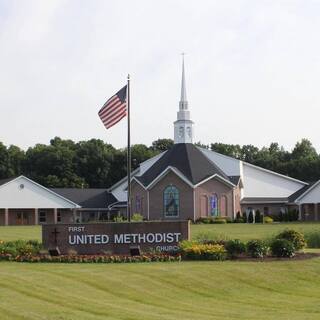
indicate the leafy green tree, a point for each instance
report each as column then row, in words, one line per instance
column 161, row 145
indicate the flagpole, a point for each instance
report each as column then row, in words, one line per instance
column 128, row 154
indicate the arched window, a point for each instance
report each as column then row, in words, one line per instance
column 214, row 205
column 171, row 201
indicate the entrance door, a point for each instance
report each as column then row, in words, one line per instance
column 22, row 218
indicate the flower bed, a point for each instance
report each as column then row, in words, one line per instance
column 92, row 258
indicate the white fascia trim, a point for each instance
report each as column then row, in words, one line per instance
column 42, row 187
column 117, row 184
column 275, row 173
column 136, row 180
column 135, row 172
column 165, row 172
column 307, row 191
column 218, row 177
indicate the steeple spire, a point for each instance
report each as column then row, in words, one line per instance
column 183, row 100
column 183, row 131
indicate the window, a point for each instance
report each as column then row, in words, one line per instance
column 214, row 205
column 171, row 201
column 138, row 204
column 42, row 217
column 58, row 216
column 265, row 211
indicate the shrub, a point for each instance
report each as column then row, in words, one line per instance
column 235, row 247
column 20, row 247
column 228, row 219
column 313, row 239
column 238, row 215
column 137, row 217
column 198, row 251
column 119, row 219
column 239, row 220
column 282, row 248
column 257, row 248
column 205, row 220
column 219, row 220
column 267, row 219
column 293, row 215
column 244, row 217
column 250, row 217
column 259, row 217
column 295, row 237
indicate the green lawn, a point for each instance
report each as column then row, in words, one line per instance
column 187, row 290
column 244, row 231
column 231, row 230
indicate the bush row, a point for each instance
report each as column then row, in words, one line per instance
column 285, row 244
column 92, row 258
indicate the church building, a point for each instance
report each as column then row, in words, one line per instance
column 190, row 182
column 185, row 182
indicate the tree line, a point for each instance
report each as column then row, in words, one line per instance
column 96, row 164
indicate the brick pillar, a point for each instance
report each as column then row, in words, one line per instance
column 315, row 212
column 6, row 217
column 36, row 216
column 55, row 215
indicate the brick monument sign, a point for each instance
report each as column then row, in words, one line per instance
column 115, row 238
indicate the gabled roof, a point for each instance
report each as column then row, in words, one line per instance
column 188, row 160
column 87, row 198
column 303, row 191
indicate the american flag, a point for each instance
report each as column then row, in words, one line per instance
column 114, row 109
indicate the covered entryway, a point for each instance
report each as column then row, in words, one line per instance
column 25, row 202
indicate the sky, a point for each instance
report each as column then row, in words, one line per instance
column 252, row 69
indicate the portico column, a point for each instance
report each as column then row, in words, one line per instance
column 300, row 212
column 6, row 216
column 36, row 216
column 55, row 215
column 74, row 213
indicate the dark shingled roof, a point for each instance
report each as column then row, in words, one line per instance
column 87, row 198
column 234, row 179
column 188, row 159
column 298, row 193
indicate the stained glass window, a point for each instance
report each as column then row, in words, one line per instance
column 171, row 201
column 214, row 205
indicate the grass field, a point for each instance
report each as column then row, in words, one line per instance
column 186, row 290
column 231, row 230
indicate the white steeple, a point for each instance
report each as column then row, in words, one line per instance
column 183, row 131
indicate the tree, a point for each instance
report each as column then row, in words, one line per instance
column 304, row 149
column 92, row 162
column 161, row 145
